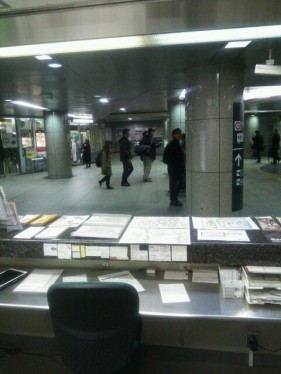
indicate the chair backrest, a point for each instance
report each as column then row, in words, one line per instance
column 96, row 325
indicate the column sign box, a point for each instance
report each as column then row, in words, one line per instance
column 237, row 157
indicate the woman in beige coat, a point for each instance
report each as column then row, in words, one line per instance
column 106, row 165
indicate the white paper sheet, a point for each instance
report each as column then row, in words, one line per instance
column 29, row 232
column 64, row 251
column 138, row 254
column 50, row 249
column 179, row 253
column 118, row 253
column 218, row 235
column 51, row 232
column 69, row 221
column 122, row 277
column 173, row 293
column 159, row 253
column 101, row 251
column 39, row 280
column 91, row 231
column 109, row 219
column 224, row 223
column 175, row 274
column 155, row 236
column 75, row 278
column 160, row 222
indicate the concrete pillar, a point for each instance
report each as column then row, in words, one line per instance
column 209, row 137
column 176, row 111
column 58, row 145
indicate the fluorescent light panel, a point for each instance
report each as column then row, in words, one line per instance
column 189, row 37
column 268, row 69
column 262, row 92
column 28, row 105
column 240, row 44
column 43, row 57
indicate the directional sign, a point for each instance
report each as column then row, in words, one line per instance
column 237, row 157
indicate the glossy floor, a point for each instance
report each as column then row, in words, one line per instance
column 81, row 194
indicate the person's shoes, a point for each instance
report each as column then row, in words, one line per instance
column 147, row 180
column 125, row 184
column 110, row 188
column 175, row 203
column 100, row 183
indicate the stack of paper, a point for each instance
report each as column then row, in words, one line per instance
column 39, row 280
column 205, row 276
column 262, row 284
column 44, row 219
column 107, row 226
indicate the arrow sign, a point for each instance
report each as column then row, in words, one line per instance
column 238, row 159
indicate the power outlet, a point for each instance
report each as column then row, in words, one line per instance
column 252, row 341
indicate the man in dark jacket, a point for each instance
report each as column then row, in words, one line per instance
column 175, row 162
column 148, row 159
column 258, row 146
column 125, row 157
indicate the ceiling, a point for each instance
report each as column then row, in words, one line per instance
column 143, row 80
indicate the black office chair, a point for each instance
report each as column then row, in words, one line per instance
column 97, row 325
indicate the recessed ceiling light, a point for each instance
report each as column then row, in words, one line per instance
column 130, row 118
column 43, row 57
column 123, row 109
column 55, row 66
column 97, row 96
column 8, row 100
column 239, row 44
column 104, row 100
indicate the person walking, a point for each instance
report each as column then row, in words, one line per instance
column 148, row 159
column 275, row 145
column 125, row 157
column 174, row 158
column 86, row 153
column 106, row 165
column 258, row 146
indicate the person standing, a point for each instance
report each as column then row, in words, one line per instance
column 175, row 160
column 258, row 146
column 125, row 157
column 86, row 153
column 275, row 145
column 106, row 165
column 148, row 159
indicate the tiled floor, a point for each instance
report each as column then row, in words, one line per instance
column 81, row 194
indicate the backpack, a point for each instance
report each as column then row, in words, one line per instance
column 142, row 150
column 166, row 154
column 98, row 160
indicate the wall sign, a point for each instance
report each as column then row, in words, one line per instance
column 237, row 157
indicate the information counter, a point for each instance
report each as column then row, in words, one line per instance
column 207, row 321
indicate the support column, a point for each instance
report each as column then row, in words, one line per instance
column 209, row 138
column 58, row 145
column 176, row 111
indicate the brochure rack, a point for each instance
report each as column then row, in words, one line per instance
column 262, row 284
